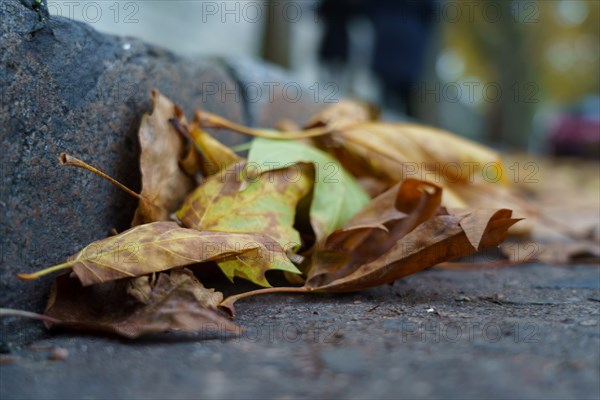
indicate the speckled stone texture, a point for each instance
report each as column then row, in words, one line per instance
column 66, row 87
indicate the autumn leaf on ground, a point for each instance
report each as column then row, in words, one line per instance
column 266, row 206
column 337, row 196
column 399, row 151
column 164, row 184
column 375, row 230
column 393, row 152
column 176, row 302
column 161, row 246
column 409, row 234
column 389, row 152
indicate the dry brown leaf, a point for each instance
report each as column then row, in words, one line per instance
column 164, row 183
column 374, row 230
column 161, row 246
column 177, row 302
column 410, row 233
column 387, row 153
column 441, row 238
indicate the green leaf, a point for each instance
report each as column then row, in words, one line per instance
column 337, row 196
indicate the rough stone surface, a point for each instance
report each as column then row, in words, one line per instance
column 526, row 332
column 68, row 88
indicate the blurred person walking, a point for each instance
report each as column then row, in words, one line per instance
column 402, row 31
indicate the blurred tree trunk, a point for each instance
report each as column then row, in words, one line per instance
column 505, row 44
column 277, row 40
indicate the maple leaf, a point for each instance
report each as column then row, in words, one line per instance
column 161, row 246
column 410, row 232
column 176, row 302
column 441, row 238
column 267, row 207
column 267, row 204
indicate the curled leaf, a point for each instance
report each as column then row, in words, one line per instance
column 393, row 152
column 217, row 156
column 441, row 238
column 164, row 183
column 402, row 231
column 375, row 230
column 177, row 302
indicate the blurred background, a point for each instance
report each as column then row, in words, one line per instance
column 520, row 75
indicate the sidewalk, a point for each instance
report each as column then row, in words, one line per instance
column 528, row 331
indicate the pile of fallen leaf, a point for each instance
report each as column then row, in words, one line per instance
column 333, row 206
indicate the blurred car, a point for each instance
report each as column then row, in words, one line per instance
column 576, row 132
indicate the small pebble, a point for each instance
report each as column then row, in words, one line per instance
column 59, row 354
column 462, row 298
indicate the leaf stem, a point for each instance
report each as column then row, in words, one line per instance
column 35, row 275
column 66, row 159
column 209, row 120
column 10, row 312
